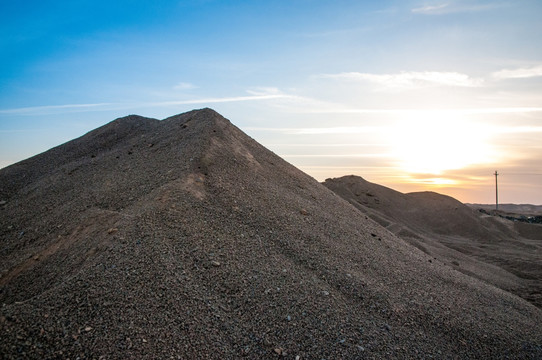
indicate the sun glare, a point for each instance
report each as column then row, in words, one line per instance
column 431, row 142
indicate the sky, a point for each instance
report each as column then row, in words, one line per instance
column 414, row 95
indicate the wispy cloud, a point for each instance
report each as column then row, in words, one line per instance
column 410, row 79
column 520, row 73
column 68, row 107
column 424, row 112
column 517, row 129
column 321, row 130
column 383, row 155
column 454, row 7
column 184, row 86
column 33, row 110
column 218, row 100
column 430, row 9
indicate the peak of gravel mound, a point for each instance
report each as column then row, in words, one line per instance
column 185, row 238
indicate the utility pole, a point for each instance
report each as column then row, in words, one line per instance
column 496, row 192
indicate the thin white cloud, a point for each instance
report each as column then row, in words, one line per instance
column 466, row 111
column 455, row 7
column 262, row 90
column 321, row 130
column 410, row 79
column 69, row 107
column 430, row 9
column 520, row 73
column 218, row 100
column 307, row 156
column 338, row 130
column 34, row 110
column 184, row 86
column 517, row 129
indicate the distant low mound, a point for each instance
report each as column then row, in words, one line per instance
column 185, row 238
column 496, row 249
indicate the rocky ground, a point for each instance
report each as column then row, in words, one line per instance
column 184, row 238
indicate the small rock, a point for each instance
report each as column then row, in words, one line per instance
column 144, row 340
column 215, row 263
column 3, row 202
column 112, row 230
column 326, row 293
column 289, row 318
column 279, row 351
column 88, row 328
column 303, row 212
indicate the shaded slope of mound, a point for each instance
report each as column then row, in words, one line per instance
column 492, row 249
column 424, row 212
column 191, row 240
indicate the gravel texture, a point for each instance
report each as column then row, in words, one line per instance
column 184, row 238
column 503, row 253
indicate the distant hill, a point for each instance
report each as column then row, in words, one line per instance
column 185, row 238
column 492, row 248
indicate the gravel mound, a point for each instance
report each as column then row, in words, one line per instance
column 184, row 238
column 501, row 252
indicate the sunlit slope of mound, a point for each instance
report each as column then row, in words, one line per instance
column 186, row 238
column 490, row 248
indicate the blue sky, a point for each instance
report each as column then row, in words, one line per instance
column 416, row 95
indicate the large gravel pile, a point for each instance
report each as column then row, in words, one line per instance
column 184, row 238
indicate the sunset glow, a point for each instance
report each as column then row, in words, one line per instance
column 434, row 141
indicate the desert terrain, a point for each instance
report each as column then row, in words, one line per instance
column 184, row 238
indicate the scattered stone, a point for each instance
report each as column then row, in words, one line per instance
column 3, row 202
column 279, row 351
column 303, row 212
column 88, row 328
column 215, row 263
column 112, row 230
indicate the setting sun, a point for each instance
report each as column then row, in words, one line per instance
column 430, row 142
